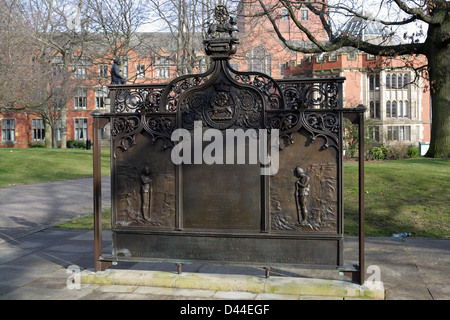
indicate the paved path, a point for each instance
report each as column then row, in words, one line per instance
column 25, row 209
column 33, row 265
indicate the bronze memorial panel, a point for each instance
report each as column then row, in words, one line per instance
column 180, row 195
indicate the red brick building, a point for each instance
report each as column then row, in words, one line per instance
column 398, row 106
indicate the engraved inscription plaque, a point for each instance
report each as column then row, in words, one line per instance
column 221, row 196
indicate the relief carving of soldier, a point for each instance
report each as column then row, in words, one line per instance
column 302, row 191
column 146, row 193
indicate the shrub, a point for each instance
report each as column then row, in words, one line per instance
column 413, row 152
column 36, row 145
column 74, row 144
column 379, row 153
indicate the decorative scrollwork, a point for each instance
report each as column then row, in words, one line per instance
column 311, row 95
column 286, row 123
column 178, row 87
column 160, row 128
column 263, row 83
column 124, row 131
column 137, row 100
column 326, row 125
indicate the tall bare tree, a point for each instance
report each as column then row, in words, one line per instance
column 60, row 29
column 185, row 20
column 116, row 24
column 432, row 41
column 20, row 66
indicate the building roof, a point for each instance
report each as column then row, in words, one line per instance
column 369, row 30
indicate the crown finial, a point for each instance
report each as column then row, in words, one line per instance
column 224, row 24
column 219, row 42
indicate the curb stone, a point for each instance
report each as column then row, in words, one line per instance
column 237, row 283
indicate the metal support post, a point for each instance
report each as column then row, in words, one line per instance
column 99, row 265
column 361, row 198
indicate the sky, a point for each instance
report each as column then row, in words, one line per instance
column 378, row 9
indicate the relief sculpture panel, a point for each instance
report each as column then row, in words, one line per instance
column 303, row 194
column 144, row 186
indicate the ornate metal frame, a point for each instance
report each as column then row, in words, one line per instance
column 308, row 110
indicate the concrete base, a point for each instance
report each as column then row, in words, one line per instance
column 225, row 282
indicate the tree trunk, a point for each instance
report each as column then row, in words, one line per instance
column 48, row 134
column 438, row 56
column 63, row 127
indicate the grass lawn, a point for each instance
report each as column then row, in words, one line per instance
column 409, row 195
column 87, row 222
column 20, row 166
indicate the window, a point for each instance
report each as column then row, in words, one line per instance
column 389, row 133
column 80, row 99
column 375, row 109
column 397, row 81
column 81, row 131
column 8, row 130
column 399, row 133
column 284, row 14
column 374, row 133
column 374, row 82
column 407, row 135
column 259, row 61
column 399, row 109
column 59, row 130
column 333, row 56
column 304, row 15
column 394, row 81
column 79, row 72
column 162, row 67
column 79, row 69
column 100, row 95
column 405, row 81
column 103, row 71
column 394, row 133
column 38, row 130
column 351, row 55
column 140, row 71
